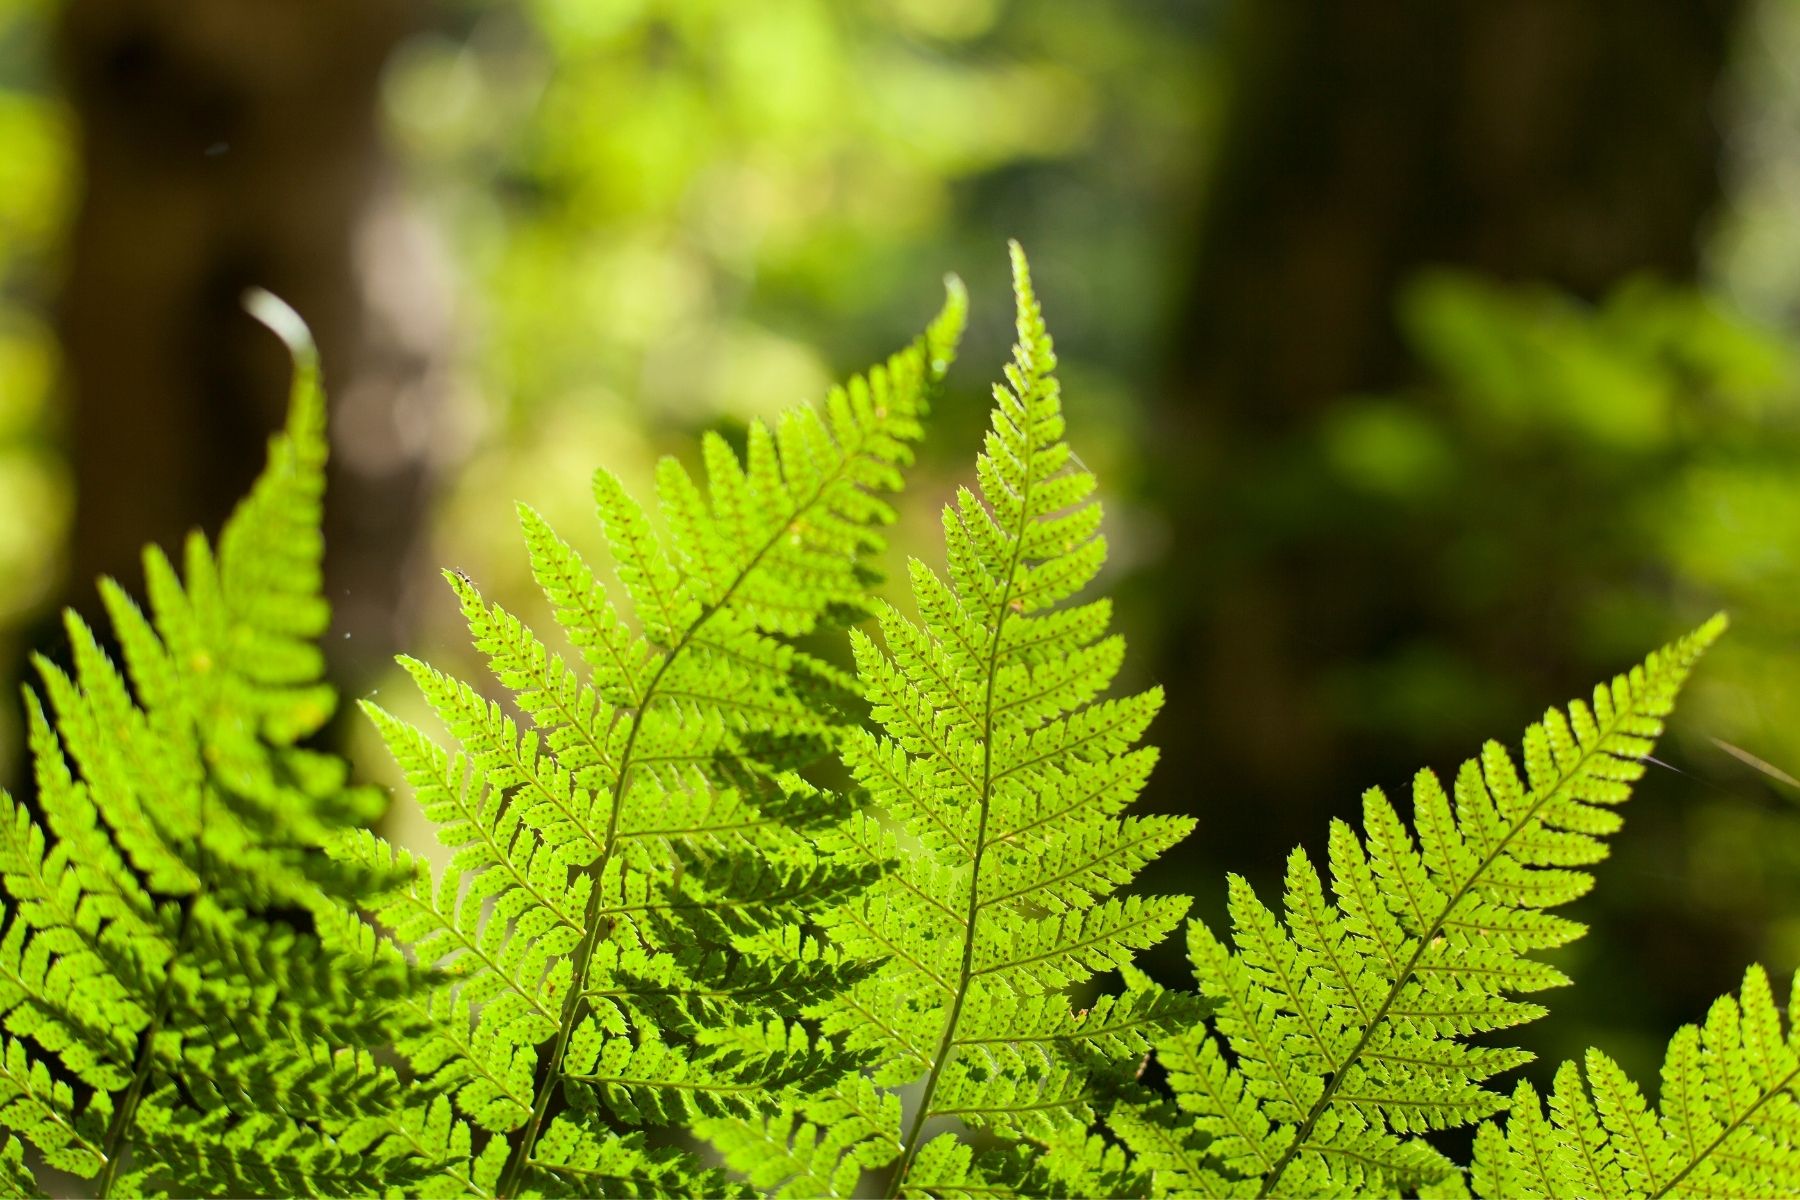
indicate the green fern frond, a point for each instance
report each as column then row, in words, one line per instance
column 182, row 1014
column 999, row 775
column 1347, row 1018
column 623, row 922
column 1727, row 1125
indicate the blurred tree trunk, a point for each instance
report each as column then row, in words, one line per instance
column 1570, row 141
column 224, row 144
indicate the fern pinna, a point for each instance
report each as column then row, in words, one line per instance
column 180, row 1014
column 624, row 918
column 1729, row 1123
column 997, row 779
column 1349, row 1021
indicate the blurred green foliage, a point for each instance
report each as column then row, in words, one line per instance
column 670, row 213
column 34, row 178
column 1755, row 248
column 1588, row 473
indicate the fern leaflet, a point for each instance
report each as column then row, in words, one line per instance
column 1348, row 1019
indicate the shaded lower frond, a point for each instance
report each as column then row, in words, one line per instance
column 575, row 1160
column 230, row 1154
column 852, row 1128
column 1175, row 1151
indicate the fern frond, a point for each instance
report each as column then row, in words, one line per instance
column 623, row 919
column 1346, row 1016
column 171, row 971
column 999, row 775
column 1727, row 1125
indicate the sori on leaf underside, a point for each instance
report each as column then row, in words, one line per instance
column 664, row 959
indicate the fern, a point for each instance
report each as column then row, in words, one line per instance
column 177, row 1009
column 1350, row 1021
column 624, row 916
column 652, row 925
column 1728, row 1126
column 998, row 779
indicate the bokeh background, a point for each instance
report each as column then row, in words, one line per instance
column 1438, row 356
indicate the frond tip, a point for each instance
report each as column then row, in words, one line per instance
column 1349, row 1015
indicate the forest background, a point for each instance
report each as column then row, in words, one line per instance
column 1436, row 356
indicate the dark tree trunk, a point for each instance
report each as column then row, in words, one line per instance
column 224, row 144
column 1570, row 141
